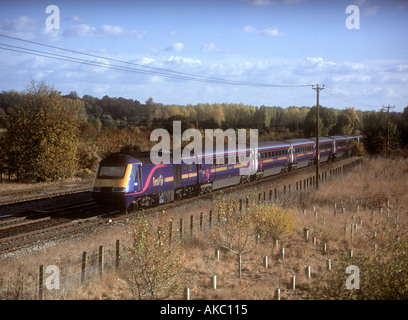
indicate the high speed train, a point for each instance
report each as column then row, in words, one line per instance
column 131, row 179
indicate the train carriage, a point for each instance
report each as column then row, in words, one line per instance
column 326, row 148
column 303, row 153
column 341, row 146
column 274, row 157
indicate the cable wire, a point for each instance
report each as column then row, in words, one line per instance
column 345, row 98
column 151, row 70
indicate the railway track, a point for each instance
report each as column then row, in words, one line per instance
column 27, row 194
column 57, row 221
column 57, row 230
column 42, row 224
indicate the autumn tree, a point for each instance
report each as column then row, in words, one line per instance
column 41, row 138
column 347, row 122
column 156, row 268
column 234, row 231
column 274, row 222
column 327, row 120
column 375, row 133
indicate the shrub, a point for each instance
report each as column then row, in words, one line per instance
column 156, row 269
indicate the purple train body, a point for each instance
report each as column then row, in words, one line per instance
column 131, row 179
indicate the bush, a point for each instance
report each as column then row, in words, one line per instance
column 155, row 268
column 383, row 273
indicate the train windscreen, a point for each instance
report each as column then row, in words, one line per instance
column 112, row 172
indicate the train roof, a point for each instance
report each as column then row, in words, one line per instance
column 299, row 141
column 272, row 144
column 342, row 137
column 323, row 139
column 128, row 157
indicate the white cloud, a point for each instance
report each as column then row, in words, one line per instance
column 371, row 11
column 258, row 2
column 75, row 18
column 104, row 31
column 261, row 3
column 23, row 27
column 184, row 60
column 269, row 32
column 146, row 60
column 177, row 46
column 210, row 47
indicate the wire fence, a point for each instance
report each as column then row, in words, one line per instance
column 63, row 281
column 59, row 281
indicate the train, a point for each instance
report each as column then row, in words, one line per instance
column 131, row 181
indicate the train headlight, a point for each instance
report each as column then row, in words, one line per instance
column 120, row 189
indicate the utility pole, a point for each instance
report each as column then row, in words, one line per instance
column 388, row 128
column 318, row 89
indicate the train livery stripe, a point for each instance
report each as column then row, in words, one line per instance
column 149, row 177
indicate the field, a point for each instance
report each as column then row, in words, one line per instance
column 358, row 218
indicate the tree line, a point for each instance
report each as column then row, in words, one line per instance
column 45, row 135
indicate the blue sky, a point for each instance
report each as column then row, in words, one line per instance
column 279, row 42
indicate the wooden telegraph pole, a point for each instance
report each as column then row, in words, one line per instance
column 318, row 89
column 388, row 128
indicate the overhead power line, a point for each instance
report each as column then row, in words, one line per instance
column 127, row 66
column 146, row 69
column 338, row 95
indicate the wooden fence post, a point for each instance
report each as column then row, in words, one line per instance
column 277, row 294
column 210, row 218
column 181, row 229
column 191, row 225
column 101, row 260
column 187, row 294
column 170, row 231
column 83, row 267
column 293, row 282
column 41, row 283
column 117, row 254
column 306, row 234
column 308, row 272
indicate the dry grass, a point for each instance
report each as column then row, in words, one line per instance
column 369, row 187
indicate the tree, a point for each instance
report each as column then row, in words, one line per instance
column 347, row 122
column 156, row 268
column 375, row 133
column 235, row 231
column 327, row 119
column 41, row 138
column 274, row 222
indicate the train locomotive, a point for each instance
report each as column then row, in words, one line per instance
column 132, row 180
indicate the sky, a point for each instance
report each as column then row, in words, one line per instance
column 255, row 52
